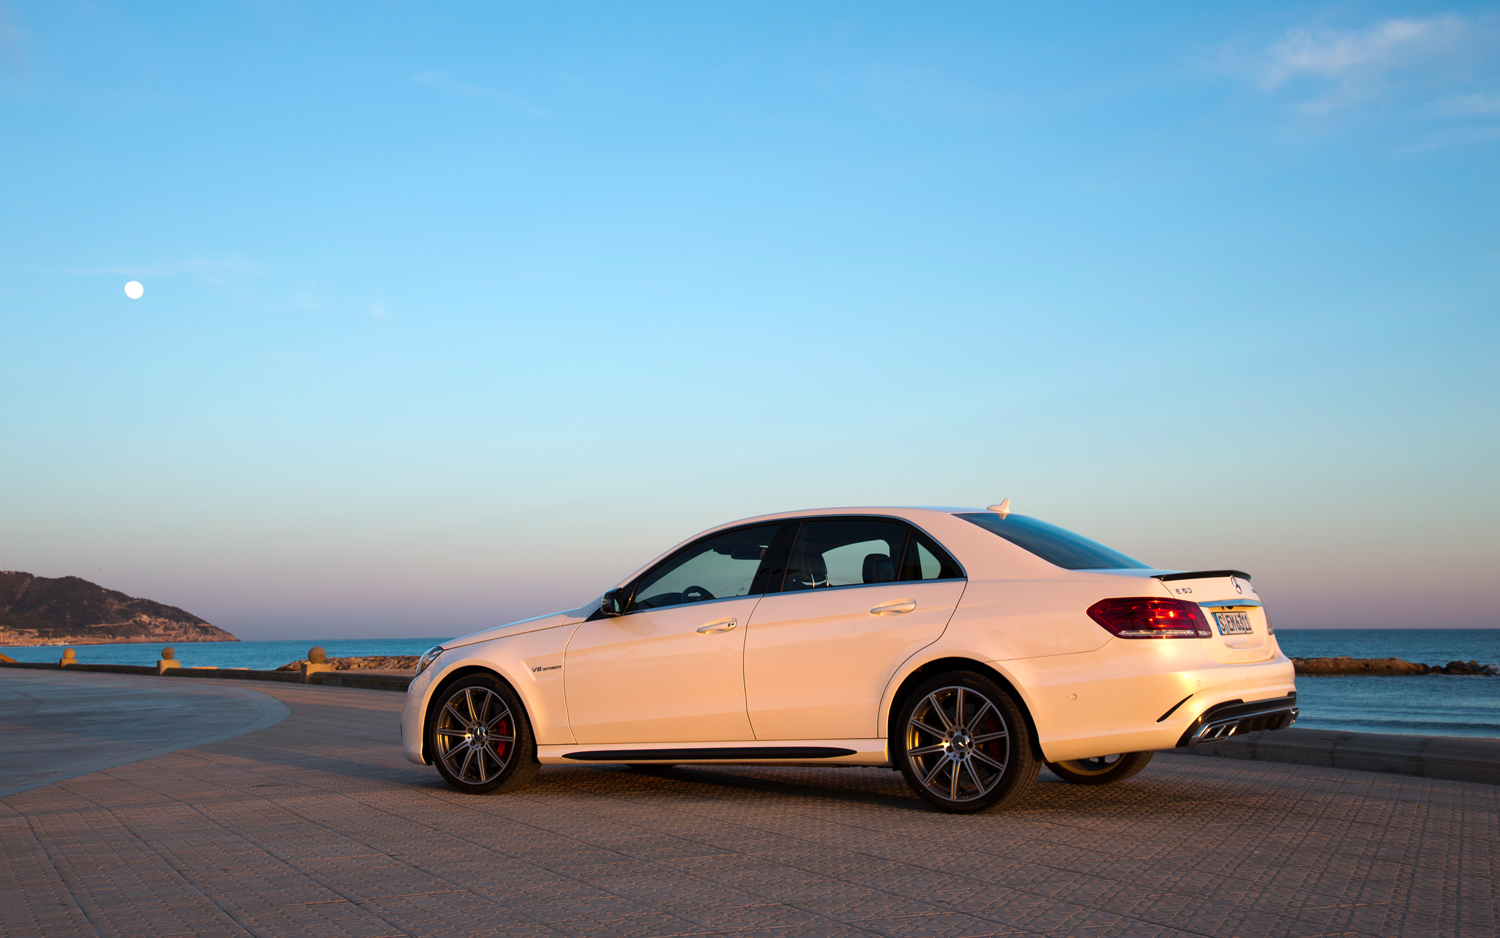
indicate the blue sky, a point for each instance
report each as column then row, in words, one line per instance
column 458, row 313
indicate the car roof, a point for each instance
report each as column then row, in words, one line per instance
column 982, row 554
column 899, row 511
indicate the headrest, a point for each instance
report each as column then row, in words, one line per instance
column 879, row 569
column 807, row 570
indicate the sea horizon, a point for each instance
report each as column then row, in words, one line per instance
column 255, row 654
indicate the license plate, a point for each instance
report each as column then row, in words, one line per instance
column 1233, row 623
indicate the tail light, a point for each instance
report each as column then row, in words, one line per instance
column 1150, row 617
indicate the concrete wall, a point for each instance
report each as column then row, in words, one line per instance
column 1456, row 758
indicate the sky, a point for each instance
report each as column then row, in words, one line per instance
column 459, row 313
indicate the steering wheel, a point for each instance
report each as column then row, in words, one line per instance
column 696, row 594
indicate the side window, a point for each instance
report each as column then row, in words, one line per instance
column 844, row 552
column 925, row 560
column 718, row 567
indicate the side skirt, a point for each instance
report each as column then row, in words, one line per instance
column 739, row 752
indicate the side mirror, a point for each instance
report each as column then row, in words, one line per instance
column 613, row 603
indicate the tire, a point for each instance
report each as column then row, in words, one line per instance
column 499, row 758
column 963, row 745
column 1101, row 770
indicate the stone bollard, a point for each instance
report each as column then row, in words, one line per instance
column 168, row 660
column 69, row 657
column 316, row 663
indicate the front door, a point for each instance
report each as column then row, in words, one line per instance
column 671, row 668
column 860, row 596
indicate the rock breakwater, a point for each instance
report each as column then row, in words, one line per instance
column 1384, row 667
column 365, row 663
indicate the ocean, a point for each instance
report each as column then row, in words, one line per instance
column 259, row 656
column 1422, row 705
column 1425, row 705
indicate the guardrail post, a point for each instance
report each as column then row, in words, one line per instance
column 168, row 660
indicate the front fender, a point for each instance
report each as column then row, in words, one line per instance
column 532, row 663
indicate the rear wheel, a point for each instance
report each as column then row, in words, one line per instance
column 963, row 745
column 1101, row 770
column 480, row 737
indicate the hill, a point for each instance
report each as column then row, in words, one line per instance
column 69, row 610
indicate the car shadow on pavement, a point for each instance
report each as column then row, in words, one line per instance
column 1148, row 796
column 849, row 785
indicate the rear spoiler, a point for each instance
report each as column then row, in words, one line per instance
column 1201, row 575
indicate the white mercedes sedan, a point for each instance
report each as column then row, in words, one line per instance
column 963, row 647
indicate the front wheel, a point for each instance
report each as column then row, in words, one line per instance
column 963, row 745
column 1101, row 770
column 480, row 737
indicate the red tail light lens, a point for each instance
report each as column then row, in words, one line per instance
column 1149, row 617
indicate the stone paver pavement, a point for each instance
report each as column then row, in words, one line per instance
column 316, row 826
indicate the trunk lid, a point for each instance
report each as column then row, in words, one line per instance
column 1232, row 608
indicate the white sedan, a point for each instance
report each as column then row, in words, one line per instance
column 963, row 647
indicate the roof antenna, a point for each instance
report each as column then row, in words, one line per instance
column 1001, row 509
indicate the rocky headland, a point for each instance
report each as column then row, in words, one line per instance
column 1387, row 667
column 69, row 610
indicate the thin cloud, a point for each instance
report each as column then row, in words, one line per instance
column 12, row 57
column 1464, row 105
column 447, row 84
column 202, row 266
column 1453, row 138
column 1336, row 69
column 1345, row 56
column 442, row 81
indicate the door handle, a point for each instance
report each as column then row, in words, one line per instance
column 900, row 605
column 723, row 625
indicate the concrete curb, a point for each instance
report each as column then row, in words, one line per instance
column 369, row 681
column 1461, row 759
column 235, row 674
column 91, row 668
column 242, row 674
column 326, row 678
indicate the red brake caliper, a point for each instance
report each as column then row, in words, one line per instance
column 501, row 729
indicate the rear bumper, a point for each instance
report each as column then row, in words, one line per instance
column 1139, row 696
column 1234, row 717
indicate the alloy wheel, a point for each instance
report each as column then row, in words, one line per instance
column 475, row 735
column 958, row 744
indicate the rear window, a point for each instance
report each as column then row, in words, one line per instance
column 1054, row 544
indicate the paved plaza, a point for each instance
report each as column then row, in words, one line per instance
column 245, row 820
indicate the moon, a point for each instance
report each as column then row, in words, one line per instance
column 133, row 289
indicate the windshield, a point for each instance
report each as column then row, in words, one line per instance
column 1054, row 544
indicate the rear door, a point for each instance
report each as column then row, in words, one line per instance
column 859, row 596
